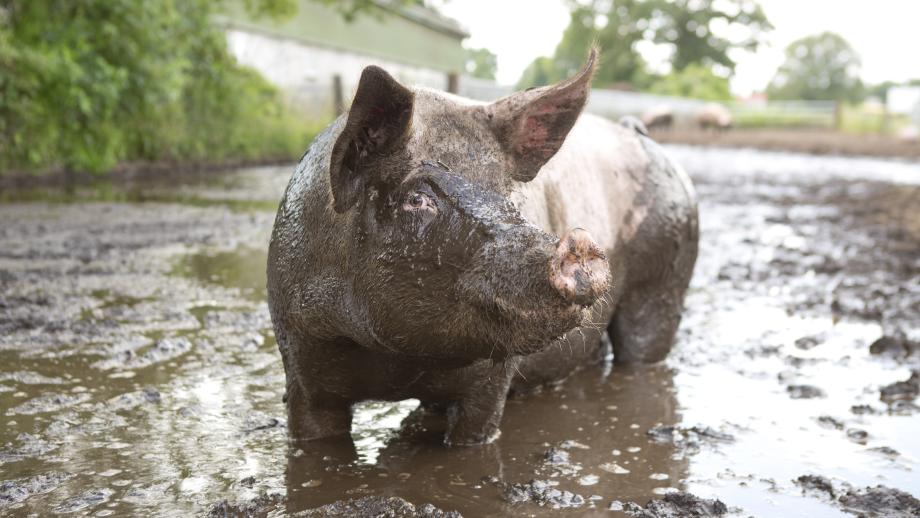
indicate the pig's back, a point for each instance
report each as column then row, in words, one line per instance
column 600, row 181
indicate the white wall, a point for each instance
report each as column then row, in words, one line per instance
column 905, row 100
column 305, row 72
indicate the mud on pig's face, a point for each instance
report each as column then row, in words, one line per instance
column 441, row 263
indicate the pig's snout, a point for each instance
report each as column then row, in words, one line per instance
column 578, row 268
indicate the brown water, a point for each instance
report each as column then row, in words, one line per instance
column 139, row 375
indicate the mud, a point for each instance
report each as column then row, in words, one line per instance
column 907, row 389
column 542, row 493
column 818, row 141
column 392, row 507
column 257, row 506
column 896, row 347
column 688, row 439
column 868, row 502
column 816, row 483
column 139, row 374
column 880, row 501
column 678, row 505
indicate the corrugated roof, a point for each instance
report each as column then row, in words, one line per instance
column 409, row 34
column 425, row 16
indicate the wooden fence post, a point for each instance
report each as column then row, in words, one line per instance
column 838, row 115
column 453, row 82
column 337, row 95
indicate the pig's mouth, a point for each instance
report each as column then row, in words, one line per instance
column 516, row 329
column 563, row 309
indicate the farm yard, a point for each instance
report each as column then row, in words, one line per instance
column 461, row 299
column 140, row 374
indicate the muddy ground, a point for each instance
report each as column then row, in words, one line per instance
column 139, row 375
column 818, row 141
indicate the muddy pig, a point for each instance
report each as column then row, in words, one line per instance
column 714, row 116
column 429, row 246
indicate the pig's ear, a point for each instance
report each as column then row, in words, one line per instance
column 532, row 125
column 378, row 122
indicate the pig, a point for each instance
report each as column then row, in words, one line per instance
column 714, row 116
column 433, row 247
column 658, row 117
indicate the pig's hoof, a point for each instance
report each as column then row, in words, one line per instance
column 473, row 440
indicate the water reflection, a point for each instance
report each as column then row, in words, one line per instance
column 600, row 417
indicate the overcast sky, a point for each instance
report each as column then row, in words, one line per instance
column 885, row 33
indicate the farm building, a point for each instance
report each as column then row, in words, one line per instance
column 305, row 54
column 905, row 100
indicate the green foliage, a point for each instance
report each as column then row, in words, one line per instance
column 618, row 26
column 687, row 26
column 770, row 118
column 85, row 84
column 819, row 67
column 864, row 120
column 349, row 9
column 880, row 90
column 277, row 9
column 616, row 31
column 695, row 81
column 540, row 72
column 481, row 63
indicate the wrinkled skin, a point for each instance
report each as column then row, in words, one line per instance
column 436, row 248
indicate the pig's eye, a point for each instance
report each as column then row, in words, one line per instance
column 417, row 201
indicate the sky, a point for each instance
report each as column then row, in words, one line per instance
column 885, row 33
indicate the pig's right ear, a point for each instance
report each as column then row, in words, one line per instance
column 378, row 122
column 532, row 125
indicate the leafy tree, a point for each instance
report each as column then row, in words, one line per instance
column 819, row 67
column 618, row 26
column 687, row 26
column 880, row 90
column 616, row 29
column 540, row 72
column 481, row 63
column 694, row 81
column 86, row 84
column 280, row 9
column 349, row 9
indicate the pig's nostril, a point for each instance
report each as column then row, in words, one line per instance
column 578, row 268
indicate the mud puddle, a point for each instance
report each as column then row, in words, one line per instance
column 139, row 375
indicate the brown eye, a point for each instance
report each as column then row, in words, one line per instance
column 418, row 201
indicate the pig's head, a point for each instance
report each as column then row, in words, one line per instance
column 440, row 263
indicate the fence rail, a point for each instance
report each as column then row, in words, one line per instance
column 801, row 114
column 319, row 98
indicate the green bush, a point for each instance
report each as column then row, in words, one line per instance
column 695, row 81
column 863, row 120
column 86, row 84
column 781, row 119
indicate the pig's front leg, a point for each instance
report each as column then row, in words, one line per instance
column 316, row 416
column 475, row 417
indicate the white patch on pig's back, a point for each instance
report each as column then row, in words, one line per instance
column 591, row 183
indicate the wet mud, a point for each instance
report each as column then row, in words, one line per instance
column 678, row 505
column 818, row 141
column 139, row 374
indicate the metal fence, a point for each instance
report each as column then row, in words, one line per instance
column 614, row 104
column 801, row 114
column 318, row 99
